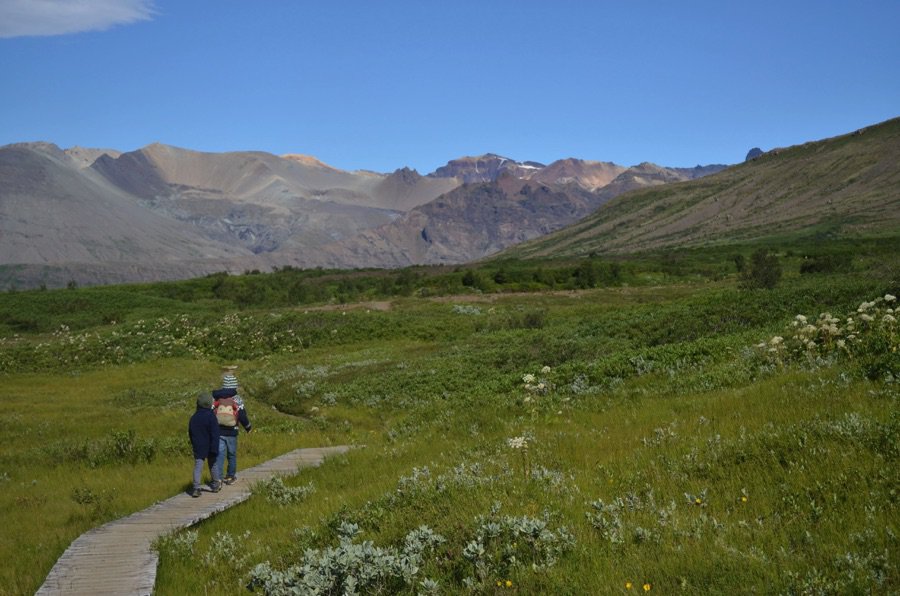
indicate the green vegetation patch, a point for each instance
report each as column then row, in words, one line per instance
column 666, row 429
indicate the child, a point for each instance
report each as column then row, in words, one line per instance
column 230, row 412
column 203, row 430
column 229, row 381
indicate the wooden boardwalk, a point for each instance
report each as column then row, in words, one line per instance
column 117, row 558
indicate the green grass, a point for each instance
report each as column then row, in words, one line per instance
column 655, row 397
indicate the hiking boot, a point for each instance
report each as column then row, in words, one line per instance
column 217, row 486
column 196, row 493
column 229, row 480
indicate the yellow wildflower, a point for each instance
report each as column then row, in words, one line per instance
column 508, row 583
column 628, row 585
column 647, row 587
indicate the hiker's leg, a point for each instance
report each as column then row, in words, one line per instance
column 232, row 455
column 198, row 472
column 220, row 461
column 214, row 468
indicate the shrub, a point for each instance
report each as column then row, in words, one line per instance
column 764, row 271
column 826, row 264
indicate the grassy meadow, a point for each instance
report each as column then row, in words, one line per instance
column 645, row 424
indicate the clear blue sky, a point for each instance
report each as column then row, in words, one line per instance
column 384, row 84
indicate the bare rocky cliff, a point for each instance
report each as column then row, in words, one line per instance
column 467, row 223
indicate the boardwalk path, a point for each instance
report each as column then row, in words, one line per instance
column 117, row 558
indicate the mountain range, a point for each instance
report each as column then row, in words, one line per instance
column 97, row 216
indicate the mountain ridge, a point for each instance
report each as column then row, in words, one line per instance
column 844, row 185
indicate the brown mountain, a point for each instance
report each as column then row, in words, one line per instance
column 467, row 223
column 263, row 202
column 485, row 168
column 46, row 195
column 843, row 186
column 53, row 211
column 587, row 174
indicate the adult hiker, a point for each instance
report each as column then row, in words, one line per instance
column 230, row 412
column 203, row 431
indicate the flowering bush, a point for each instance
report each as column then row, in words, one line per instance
column 869, row 336
column 536, row 386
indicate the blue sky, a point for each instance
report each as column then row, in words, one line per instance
column 381, row 85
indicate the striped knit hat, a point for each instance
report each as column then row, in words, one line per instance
column 229, row 381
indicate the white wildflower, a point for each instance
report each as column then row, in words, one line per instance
column 889, row 319
column 867, row 318
column 528, row 379
column 800, row 319
column 889, row 298
column 776, row 340
column 517, row 443
column 545, row 370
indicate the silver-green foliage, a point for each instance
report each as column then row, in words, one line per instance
column 353, row 567
column 502, row 544
column 276, row 491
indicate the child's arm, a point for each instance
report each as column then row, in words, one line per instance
column 244, row 419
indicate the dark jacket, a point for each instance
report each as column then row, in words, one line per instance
column 203, row 430
column 226, row 396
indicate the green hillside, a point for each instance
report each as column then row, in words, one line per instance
column 569, row 426
column 844, row 187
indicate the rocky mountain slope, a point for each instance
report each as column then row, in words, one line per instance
column 841, row 186
column 467, row 223
column 480, row 219
column 263, row 202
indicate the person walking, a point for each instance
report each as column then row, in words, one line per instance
column 203, row 431
column 229, row 413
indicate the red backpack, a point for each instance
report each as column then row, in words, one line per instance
column 226, row 412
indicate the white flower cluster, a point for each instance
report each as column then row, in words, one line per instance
column 829, row 332
column 517, row 443
column 533, row 384
column 869, row 311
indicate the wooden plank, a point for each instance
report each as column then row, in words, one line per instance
column 117, row 558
